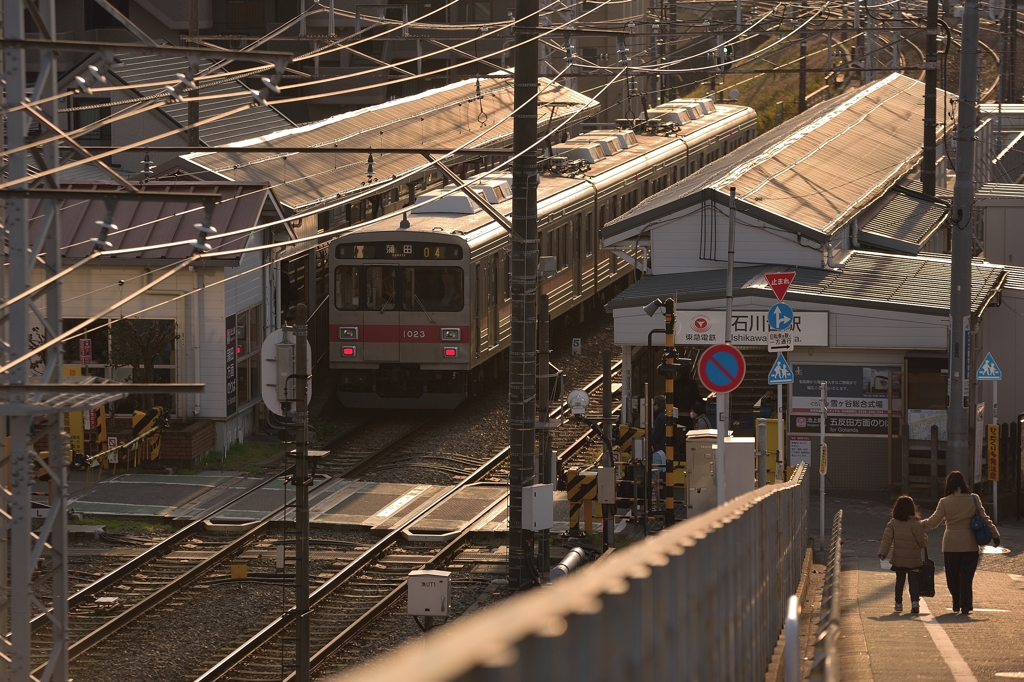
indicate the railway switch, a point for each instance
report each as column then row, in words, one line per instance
column 430, row 593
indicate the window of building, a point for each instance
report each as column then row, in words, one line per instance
column 248, row 341
column 89, row 110
column 143, row 352
column 97, row 17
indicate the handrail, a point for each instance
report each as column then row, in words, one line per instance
column 826, row 657
column 704, row 599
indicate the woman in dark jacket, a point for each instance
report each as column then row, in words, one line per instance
column 959, row 548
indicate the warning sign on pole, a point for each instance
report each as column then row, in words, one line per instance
column 993, row 451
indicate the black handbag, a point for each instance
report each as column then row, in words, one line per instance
column 982, row 533
column 926, row 578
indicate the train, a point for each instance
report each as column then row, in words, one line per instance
column 420, row 309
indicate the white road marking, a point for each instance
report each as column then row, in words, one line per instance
column 1018, row 578
column 1015, row 676
column 401, row 502
column 957, row 665
column 986, row 610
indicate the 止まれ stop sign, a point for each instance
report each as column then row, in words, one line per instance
column 721, row 368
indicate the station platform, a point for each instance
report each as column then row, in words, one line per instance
column 364, row 505
column 878, row 644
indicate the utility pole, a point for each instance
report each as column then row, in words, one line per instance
column 192, row 135
column 24, row 590
column 962, row 226
column 931, row 82
column 547, row 461
column 522, row 366
column 301, row 481
column 608, row 425
column 670, row 411
column 801, row 98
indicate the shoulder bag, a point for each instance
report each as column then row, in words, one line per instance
column 982, row 533
column 926, row 579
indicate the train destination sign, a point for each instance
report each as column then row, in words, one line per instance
column 399, row 251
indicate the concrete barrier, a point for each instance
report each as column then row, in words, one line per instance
column 703, row 600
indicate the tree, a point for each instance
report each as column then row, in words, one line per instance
column 142, row 345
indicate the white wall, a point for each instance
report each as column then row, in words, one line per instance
column 676, row 245
column 1002, row 334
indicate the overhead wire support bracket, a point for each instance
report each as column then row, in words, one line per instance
column 154, row 50
column 473, row 196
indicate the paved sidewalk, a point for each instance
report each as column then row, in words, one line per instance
column 878, row 644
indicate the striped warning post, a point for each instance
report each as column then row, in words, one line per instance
column 582, row 489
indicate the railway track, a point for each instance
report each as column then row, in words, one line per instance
column 345, row 604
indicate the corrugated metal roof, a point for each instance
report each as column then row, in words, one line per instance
column 1014, row 277
column 452, row 116
column 815, row 171
column 868, row 280
column 999, row 190
column 905, row 223
column 156, row 223
column 245, row 124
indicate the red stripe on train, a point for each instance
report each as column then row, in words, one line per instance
column 395, row 333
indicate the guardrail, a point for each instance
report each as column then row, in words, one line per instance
column 826, row 655
column 702, row 600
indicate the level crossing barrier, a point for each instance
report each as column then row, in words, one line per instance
column 704, row 599
column 826, row 655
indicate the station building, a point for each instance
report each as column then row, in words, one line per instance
column 202, row 324
column 833, row 195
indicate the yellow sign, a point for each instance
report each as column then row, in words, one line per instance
column 73, row 425
column 993, row 451
column 823, row 468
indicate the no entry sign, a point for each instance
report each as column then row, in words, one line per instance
column 721, row 368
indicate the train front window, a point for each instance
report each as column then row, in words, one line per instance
column 346, row 288
column 380, row 287
column 432, row 289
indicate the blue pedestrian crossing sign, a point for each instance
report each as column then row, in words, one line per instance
column 781, row 372
column 989, row 370
column 780, row 317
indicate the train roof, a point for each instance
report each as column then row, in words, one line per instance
column 474, row 113
column 478, row 225
column 811, row 174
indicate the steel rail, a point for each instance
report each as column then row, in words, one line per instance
column 372, row 458
column 159, row 596
column 157, row 551
column 257, row 640
column 356, row 627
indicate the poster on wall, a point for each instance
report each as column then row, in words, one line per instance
column 858, row 399
column 921, row 422
column 799, row 450
column 230, row 363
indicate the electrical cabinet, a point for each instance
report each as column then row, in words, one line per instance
column 701, row 493
column 740, row 465
column 538, row 506
column 430, row 593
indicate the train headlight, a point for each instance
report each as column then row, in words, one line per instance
column 348, row 333
column 348, row 351
column 451, row 352
column 448, row 334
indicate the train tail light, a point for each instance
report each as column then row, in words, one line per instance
column 348, row 351
column 451, row 352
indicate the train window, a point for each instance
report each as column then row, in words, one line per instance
column 380, row 287
column 432, row 289
column 346, row 288
column 674, row 176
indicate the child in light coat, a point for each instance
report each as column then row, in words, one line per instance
column 905, row 537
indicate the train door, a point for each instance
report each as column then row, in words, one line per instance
column 492, row 301
column 480, row 308
column 381, row 323
column 576, row 253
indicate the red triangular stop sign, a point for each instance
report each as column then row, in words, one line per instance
column 779, row 282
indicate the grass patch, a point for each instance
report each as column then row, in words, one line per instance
column 241, row 457
column 123, row 525
column 326, row 429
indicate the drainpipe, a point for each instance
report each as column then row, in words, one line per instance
column 826, row 257
column 198, row 334
column 855, row 233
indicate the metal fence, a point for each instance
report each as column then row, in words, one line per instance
column 702, row 600
column 826, row 654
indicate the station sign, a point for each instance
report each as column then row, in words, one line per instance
column 749, row 328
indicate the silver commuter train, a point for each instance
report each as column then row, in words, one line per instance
column 420, row 310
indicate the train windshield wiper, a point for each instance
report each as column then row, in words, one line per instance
column 387, row 303
column 423, row 308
